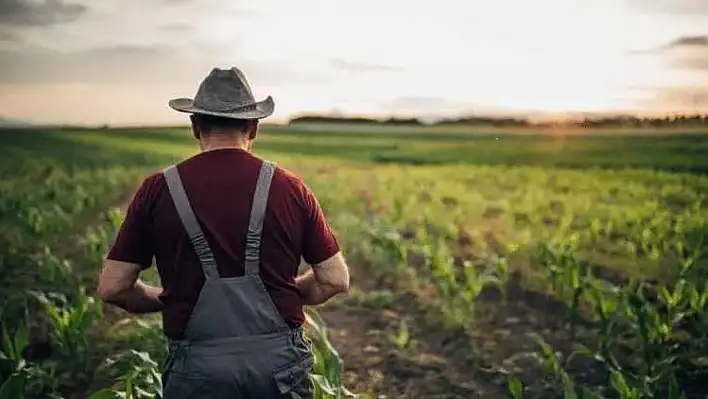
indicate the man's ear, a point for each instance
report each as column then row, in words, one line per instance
column 195, row 129
column 252, row 129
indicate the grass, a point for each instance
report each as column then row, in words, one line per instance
column 464, row 229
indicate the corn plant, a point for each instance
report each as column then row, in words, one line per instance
column 327, row 371
column 605, row 301
column 553, row 364
column 567, row 275
column 23, row 364
column 391, row 244
column 560, row 378
column 70, row 324
column 138, row 374
column 14, row 371
column 14, row 386
column 402, row 337
column 12, row 344
column 515, row 387
column 20, row 370
column 51, row 268
column 458, row 287
column 97, row 241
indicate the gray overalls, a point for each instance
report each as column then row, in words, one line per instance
column 236, row 343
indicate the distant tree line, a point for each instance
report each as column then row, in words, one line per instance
column 355, row 120
column 486, row 121
column 586, row 122
column 634, row 121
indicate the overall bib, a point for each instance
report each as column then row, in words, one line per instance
column 236, row 343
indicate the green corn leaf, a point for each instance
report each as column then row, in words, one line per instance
column 515, row 387
column 620, row 385
column 321, row 382
column 104, row 394
column 14, row 387
column 21, row 339
column 8, row 347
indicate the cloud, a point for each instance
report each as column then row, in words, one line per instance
column 115, row 64
column 39, row 13
column 695, row 63
column 689, row 41
column 691, row 8
column 149, row 65
column 351, row 66
column 686, row 52
column 8, row 36
column 681, row 98
column 696, row 42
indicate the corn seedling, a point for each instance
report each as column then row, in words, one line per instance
column 402, row 338
column 327, row 371
column 14, row 386
column 70, row 324
column 51, row 268
column 515, row 387
column 137, row 372
column 553, row 364
column 567, row 276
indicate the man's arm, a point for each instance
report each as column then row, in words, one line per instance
column 119, row 285
column 132, row 252
column 324, row 280
column 329, row 274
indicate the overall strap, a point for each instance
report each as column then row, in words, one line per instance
column 189, row 220
column 255, row 224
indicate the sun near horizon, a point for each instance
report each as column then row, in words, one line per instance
column 76, row 61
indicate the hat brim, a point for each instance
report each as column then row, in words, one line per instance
column 262, row 109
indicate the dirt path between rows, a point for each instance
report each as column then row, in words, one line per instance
column 365, row 333
column 444, row 361
column 373, row 363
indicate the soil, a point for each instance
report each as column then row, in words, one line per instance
column 374, row 363
column 449, row 362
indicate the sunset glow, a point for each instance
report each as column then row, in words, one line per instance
column 121, row 63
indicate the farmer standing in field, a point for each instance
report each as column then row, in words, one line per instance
column 227, row 231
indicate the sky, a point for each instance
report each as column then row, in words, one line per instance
column 119, row 62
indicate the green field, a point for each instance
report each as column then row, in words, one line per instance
column 485, row 263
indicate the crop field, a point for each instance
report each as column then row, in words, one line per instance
column 485, row 263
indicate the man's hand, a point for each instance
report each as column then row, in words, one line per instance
column 324, row 280
column 119, row 285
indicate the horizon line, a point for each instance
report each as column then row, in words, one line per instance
column 564, row 117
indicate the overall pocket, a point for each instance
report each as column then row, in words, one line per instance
column 168, row 364
column 295, row 378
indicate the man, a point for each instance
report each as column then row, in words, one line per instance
column 227, row 231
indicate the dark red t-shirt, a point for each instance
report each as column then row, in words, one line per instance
column 220, row 185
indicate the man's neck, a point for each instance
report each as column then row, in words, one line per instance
column 226, row 144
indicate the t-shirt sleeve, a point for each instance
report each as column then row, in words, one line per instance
column 133, row 242
column 320, row 243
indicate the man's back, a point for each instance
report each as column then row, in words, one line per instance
column 228, row 232
column 220, row 185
